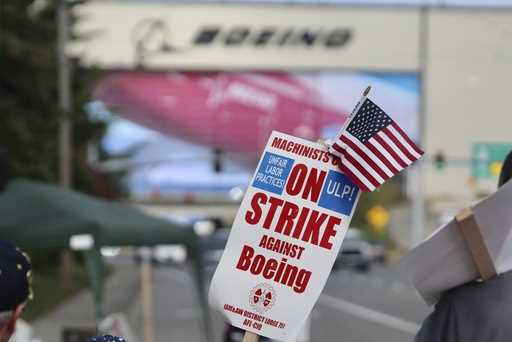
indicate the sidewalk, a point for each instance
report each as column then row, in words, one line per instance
column 176, row 312
column 121, row 292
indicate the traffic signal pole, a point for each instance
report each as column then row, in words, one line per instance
column 417, row 171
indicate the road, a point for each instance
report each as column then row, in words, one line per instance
column 367, row 307
column 354, row 307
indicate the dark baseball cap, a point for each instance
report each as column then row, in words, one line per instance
column 106, row 338
column 15, row 273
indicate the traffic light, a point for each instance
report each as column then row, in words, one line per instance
column 439, row 161
column 217, row 160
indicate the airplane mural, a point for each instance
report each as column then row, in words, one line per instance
column 232, row 111
column 235, row 112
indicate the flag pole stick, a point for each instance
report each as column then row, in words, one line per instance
column 356, row 108
column 367, row 90
column 354, row 111
column 250, row 337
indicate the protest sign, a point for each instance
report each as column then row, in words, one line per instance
column 444, row 261
column 285, row 238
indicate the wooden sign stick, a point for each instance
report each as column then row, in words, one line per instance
column 250, row 337
column 470, row 231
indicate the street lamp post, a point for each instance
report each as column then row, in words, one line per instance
column 418, row 203
column 65, row 125
column 64, row 90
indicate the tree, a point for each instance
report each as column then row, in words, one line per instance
column 29, row 122
column 28, row 94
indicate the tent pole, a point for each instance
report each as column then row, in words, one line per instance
column 146, row 275
column 94, row 264
column 200, row 284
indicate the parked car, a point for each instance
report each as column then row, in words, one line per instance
column 204, row 226
column 212, row 247
column 355, row 253
column 380, row 253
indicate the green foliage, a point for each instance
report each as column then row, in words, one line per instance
column 389, row 194
column 49, row 293
column 29, row 124
column 29, row 94
column 43, row 259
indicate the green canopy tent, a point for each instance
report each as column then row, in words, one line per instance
column 38, row 215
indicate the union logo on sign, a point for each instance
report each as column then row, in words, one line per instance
column 262, row 297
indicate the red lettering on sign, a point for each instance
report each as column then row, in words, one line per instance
column 245, row 258
column 274, row 204
column 329, row 232
column 312, row 231
column 253, row 217
column 285, row 222
column 303, row 150
column 309, row 184
column 296, row 179
column 308, row 225
column 277, row 142
column 286, row 274
column 257, row 264
column 279, row 246
column 313, row 186
column 270, row 269
column 300, row 223
column 297, row 148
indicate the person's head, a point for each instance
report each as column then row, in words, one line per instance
column 506, row 171
column 106, row 338
column 15, row 289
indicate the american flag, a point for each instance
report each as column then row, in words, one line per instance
column 373, row 148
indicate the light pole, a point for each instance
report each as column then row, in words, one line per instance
column 64, row 90
column 65, row 125
column 418, row 205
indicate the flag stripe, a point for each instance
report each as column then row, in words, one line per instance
column 336, row 150
column 364, row 171
column 377, row 159
column 406, row 137
column 399, row 144
column 411, row 149
column 368, row 162
column 382, row 157
column 353, row 177
column 356, row 176
column 394, row 148
column 388, row 152
column 337, row 147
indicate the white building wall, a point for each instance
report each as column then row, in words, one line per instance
column 468, row 89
